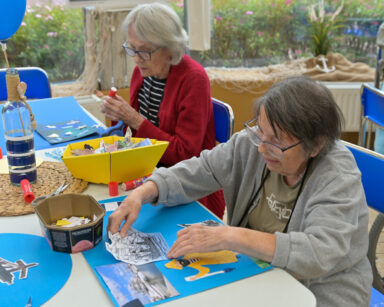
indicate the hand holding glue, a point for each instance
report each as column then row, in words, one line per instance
column 128, row 133
column 130, row 185
column 27, row 190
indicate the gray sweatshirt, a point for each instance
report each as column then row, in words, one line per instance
column 326, row 243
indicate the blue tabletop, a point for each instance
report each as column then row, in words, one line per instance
column 53, row 110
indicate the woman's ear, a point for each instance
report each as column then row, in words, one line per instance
column 318, row 148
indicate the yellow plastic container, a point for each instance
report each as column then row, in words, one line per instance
column 119, row 166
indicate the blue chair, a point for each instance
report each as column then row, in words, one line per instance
column 223, row 115
column 224, row 120
column 38, row 86
column 372, row 102
column 371, row 165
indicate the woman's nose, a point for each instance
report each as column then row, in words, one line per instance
column 262, row 147
column 137, row 59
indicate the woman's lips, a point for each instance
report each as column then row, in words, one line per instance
column 270, row 161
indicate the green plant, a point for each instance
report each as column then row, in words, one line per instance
column 323, row 27
column 50, row 37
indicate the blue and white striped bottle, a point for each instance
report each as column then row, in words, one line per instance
column 18, row 134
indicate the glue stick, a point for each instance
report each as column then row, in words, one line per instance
column 130, row 185
column 27, row 190
column 112, row 92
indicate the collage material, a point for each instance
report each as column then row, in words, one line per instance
column 193, row 273
column 137, row 247
column 202, row 262
column 136, row 284
column 65, row 131
column 28, row 269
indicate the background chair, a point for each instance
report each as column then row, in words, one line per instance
column 224, row 120
column 222, row 113
column 371, row 165
column 372, row 102
column 38, row 86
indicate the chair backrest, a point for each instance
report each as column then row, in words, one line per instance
column 38, row 86
column 371, row 165
column 224, row 120
column 372, row 102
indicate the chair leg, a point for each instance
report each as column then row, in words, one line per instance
column 362, row 132
column 368, row 145
column 374, row 236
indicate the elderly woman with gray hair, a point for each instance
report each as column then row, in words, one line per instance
column 293, row 193
column 169, row 92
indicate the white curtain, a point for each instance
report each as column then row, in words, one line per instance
column 199, row 24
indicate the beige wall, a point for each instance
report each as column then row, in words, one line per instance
column 241, row 103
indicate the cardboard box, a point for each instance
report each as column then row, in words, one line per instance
column 119, row 166
column 71, row 239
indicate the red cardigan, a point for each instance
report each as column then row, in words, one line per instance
column 185, row 118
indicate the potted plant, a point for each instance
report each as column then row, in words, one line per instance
column 323, row 27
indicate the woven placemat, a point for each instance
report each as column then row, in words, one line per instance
column 50, row 175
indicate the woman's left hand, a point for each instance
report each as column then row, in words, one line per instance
column 118, row 109
column 199, row 239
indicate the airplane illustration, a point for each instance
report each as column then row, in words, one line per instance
column 7, row 270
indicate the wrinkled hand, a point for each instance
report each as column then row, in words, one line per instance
column 118, row 109
column 199, row 239
column 128, row 211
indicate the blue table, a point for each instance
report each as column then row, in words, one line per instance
column 53, row 110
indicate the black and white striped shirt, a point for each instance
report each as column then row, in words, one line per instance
column 150, row 97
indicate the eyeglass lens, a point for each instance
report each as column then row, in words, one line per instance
column 254, row 134
column 145, row 55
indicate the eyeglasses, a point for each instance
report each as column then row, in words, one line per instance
column 144, row 55
column 255, row 135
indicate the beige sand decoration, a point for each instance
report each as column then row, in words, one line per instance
column 257, row 80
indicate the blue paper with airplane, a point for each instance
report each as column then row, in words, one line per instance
column 168, row 221
column 65, row 131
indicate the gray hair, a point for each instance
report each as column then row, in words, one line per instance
column 158, row 25
column 305, row 109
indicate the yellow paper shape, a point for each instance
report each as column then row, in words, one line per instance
column 62, row 222
column 197, row 260
column 119, row 166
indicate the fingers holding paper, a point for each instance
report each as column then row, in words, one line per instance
column 127, row 212
column 130, row 208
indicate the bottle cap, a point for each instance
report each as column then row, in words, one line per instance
column 113, row 188
column 112, row 92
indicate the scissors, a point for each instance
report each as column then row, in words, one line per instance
column 60, row 189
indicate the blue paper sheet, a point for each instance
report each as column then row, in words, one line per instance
column 65, row 131
column 49, row 111
column 43, row 281
column 165, row 220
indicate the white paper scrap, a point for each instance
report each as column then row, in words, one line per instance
column 137, row 247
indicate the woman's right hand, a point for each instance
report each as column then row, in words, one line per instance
column 118, row 109
column 129, row 209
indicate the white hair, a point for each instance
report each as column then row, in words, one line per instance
column 159, row 26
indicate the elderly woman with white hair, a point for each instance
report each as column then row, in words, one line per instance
column 169, row 92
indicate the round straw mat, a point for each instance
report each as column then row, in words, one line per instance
column 50, row 175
